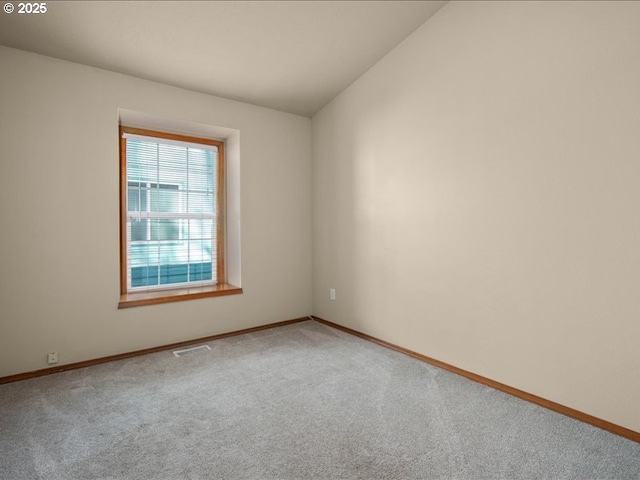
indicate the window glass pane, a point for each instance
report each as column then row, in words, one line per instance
column 174, row 273
column 143, row 254
column 200, row 271
column 137, row 202
column 200, row 250
column 201, row 229
column 165, row 198
column 142, row 161
column 172, row 165
column 201, row 202
column 164, row 230
column 138, row 229
column 172, row 219
column 201, row 169
column 143, row 276
column 136, row 197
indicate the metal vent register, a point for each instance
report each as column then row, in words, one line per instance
column 191, row 351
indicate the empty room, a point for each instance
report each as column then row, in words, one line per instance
column 320, row 240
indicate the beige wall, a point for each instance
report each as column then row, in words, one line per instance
column 477, row 199
column 59, row 255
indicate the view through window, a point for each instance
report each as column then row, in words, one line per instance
column 172, row 230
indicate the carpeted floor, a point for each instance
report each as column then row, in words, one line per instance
column 300, row 401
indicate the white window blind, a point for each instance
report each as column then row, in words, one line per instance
column 171, row 214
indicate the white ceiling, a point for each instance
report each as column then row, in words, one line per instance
column 293, row 56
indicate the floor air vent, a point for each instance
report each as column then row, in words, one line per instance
column 191, row 351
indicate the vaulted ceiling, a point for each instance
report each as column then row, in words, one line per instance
column 293, row 56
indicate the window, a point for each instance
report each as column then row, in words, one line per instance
column 172, row 218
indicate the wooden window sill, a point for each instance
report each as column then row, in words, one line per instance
column 138, row 299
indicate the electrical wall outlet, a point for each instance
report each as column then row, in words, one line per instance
column 52, row 358
column 332, row 294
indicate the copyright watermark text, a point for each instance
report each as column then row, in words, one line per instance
column 26, row 8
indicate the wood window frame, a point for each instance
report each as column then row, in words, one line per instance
column 157, row 296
